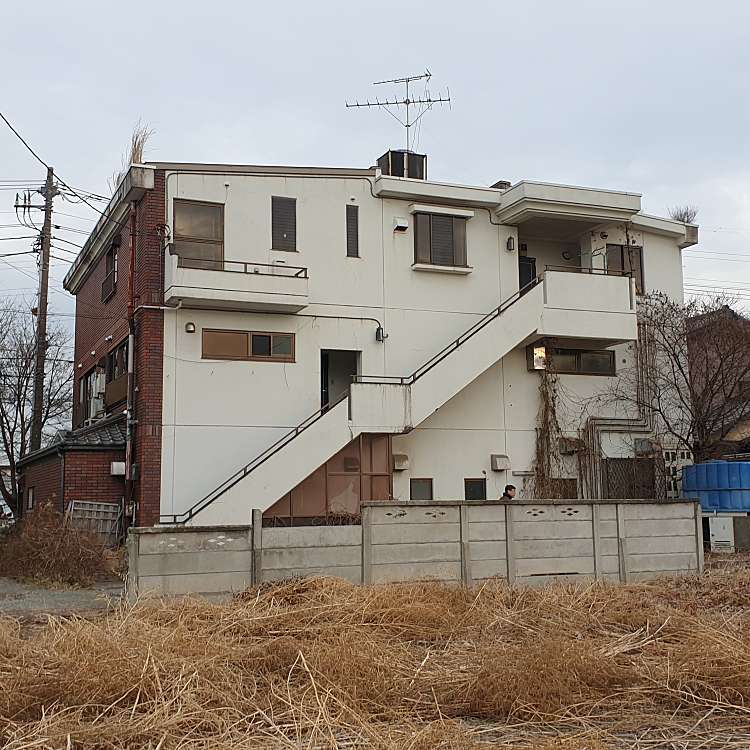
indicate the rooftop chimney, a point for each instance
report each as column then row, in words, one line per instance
column 402, row 163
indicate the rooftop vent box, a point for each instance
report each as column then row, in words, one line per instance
column 401, row 163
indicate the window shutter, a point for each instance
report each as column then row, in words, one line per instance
column 422, row 238
column 442, row 240
column 352, row 231
column 283, row 223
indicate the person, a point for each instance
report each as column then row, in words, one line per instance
column 509, row 494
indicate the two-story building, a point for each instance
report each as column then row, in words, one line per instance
column 300, row 340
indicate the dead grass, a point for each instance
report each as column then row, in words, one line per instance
column 44, row 550
column 320, row 663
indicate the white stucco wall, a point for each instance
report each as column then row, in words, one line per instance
column 218, row 415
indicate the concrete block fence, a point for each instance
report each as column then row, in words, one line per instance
column 526, row 543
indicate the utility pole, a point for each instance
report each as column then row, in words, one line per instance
column 41, row 319
column 422, row 103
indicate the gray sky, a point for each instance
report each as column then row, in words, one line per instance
column 644, row 96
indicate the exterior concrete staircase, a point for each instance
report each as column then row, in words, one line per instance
column 555, row 304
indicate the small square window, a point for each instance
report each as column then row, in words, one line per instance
column 475, row 489
column 420, row 489
column 261, row 345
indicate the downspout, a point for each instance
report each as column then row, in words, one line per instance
column 61, row 455
column 129, row 497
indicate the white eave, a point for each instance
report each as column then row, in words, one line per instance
column 685, row 234
column 440, row 193
column 132, row 187
column 528, row 200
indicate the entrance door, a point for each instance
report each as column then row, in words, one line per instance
column 526, row 271
column 337, row 366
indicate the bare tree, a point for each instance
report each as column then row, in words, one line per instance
column 17, row 350
column 134, row 152
column 686, row 214
column 692, row 379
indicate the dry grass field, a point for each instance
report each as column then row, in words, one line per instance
column 323, row 664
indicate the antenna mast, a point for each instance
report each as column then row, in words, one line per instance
column 424, row 103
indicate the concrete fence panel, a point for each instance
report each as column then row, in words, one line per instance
column 527, row 543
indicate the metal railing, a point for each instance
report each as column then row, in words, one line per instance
column 373, row 379
column 589, row 270
column 260, row 459
column 454, row 345
column 240, row 266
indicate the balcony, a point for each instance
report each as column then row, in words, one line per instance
column 588, row 304
column 234, row 285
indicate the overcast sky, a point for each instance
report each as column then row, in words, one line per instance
column 644, row 96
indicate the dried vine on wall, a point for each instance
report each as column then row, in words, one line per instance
column 548, row 471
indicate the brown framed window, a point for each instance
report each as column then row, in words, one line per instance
column 248, row 345
column 627, row 259
column 199, row 234
column 475, row 489
column 439, row 240
column 109, row 285
column 115, row 375
column 117, row 362
column 571, row 361
column 29, row 498
column 283, row 223
column 420, row 489
column 352, row 231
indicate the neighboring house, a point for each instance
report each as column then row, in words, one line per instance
column 86, row 464
column 306, row 339
column 719, row 360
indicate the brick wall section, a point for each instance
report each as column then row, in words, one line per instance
column 149, row 351
column 88, row 476
column 44, row 477
column 96, row 320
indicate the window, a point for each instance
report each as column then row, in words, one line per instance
column 199, row 234
column 109, row 285
column 352, row 231
column 420, row 489
column 571, row 361
column 117, row 362
column 440, row 240
column 115, row 376
column 283, row 223
column 248, row 345
column 475, row 489
column 629, row 260
column 30, row 498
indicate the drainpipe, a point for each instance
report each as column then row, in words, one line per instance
column 129, row 497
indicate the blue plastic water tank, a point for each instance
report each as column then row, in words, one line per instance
column 720, row 485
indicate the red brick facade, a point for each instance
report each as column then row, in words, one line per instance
column 149, row 350
column 97, row 320
column 101, row 326
column 73, row 474
column 88, row 476
column 45, row 477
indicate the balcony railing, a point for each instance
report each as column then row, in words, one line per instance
column 238, row 266
column 589, row 270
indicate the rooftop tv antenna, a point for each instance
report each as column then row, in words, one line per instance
column 423, row 104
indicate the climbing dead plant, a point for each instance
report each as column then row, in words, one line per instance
column 548, row 479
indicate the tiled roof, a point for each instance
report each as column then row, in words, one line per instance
column 107, row 434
